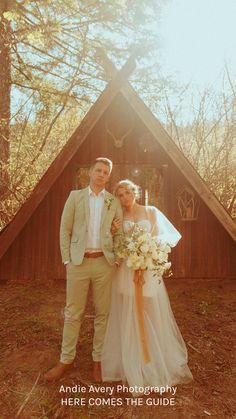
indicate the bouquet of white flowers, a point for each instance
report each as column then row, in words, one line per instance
column 144, row 251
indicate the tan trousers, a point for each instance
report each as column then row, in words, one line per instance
column 99, row 272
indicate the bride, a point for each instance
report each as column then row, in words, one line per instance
column 124, row 358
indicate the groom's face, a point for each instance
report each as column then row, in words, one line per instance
column 99, row 175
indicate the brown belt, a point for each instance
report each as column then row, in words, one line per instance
column 93, row 255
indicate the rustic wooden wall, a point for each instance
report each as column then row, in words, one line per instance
column 205, row 251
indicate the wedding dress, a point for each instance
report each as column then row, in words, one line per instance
column 122, row 357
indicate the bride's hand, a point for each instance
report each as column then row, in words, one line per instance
column 116, row 223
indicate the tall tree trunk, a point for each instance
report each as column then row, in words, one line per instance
column 5, row 93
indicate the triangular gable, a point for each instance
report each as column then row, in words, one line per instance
column 118, row 83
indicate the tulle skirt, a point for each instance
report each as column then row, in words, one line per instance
column 122, row 356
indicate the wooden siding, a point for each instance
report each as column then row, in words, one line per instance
column 205, row 251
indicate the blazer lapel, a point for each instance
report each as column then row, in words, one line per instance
column 104, row 209
column 86, row 205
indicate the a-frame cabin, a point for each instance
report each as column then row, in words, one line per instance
column 121, row 127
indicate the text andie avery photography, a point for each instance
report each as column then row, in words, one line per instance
column 117, row 395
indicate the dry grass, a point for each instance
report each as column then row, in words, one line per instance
column 30, row 336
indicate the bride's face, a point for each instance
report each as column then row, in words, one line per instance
column 126, row 197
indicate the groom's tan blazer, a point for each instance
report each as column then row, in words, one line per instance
column 74, row 226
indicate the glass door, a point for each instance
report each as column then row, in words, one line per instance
column 149, row 179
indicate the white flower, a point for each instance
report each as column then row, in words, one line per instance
column 129, row 263
column 143, row 238
column 141, row 260
column 152, row 246
column 155, row 255
column 149, row 263
column 131, row 246
column 162, row 256
column 144, row 248
column 164, row 247
column 136, row 266
column 167, row 248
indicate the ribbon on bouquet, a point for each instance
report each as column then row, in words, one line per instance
column 139, row 282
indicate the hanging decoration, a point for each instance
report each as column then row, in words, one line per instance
column 117, row 135
column 188, row 204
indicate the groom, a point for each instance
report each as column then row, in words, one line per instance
column 87, row 251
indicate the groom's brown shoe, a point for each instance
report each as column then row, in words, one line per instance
column 58, row 371
column 97, row 375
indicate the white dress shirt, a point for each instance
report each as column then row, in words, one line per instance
column 96, row 203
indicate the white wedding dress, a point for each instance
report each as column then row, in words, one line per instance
column 122, row 357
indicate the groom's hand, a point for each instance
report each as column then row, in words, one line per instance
column 116, row 223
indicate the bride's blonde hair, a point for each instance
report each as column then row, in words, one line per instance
column 128, row 184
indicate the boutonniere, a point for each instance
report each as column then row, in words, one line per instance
column 108, row 202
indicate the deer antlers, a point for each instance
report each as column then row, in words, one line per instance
column 119, row 138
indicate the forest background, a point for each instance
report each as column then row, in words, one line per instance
column 51, row 75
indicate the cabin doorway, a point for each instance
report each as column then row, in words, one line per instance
column 151, row 180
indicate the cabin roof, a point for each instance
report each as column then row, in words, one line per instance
column 118, row 83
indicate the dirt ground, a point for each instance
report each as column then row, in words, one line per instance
column 30, row 338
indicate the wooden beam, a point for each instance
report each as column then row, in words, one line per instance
column 91, row 118
column 107, row 64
